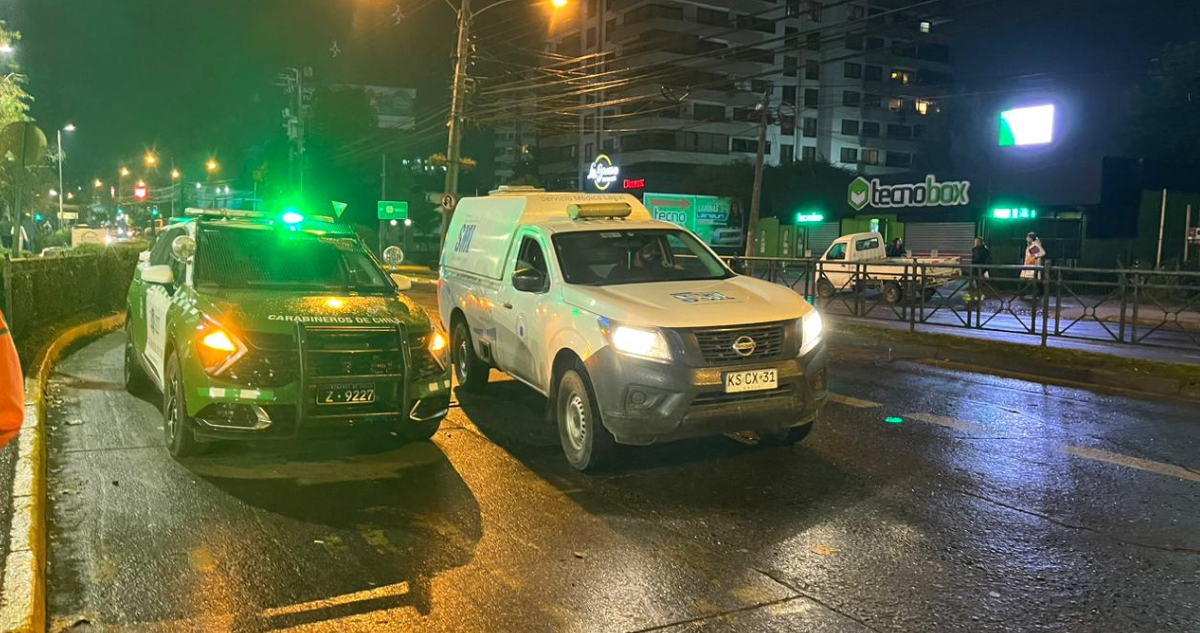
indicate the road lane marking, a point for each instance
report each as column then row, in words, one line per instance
column 853, row 402
column 1160, row 468
column 941, row 420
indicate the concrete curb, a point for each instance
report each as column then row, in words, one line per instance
column 1011, row 365
column 23, row 588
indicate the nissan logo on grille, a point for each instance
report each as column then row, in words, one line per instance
column 744, row 345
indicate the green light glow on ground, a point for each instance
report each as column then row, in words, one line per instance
column 891, row 419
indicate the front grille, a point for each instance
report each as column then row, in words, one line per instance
column 334, row 354
column 717, row 344
column 718, row 397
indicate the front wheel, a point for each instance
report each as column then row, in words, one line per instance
column 585, row 441
column 825, row 288
column 892, row 293
column 411, row 431
column 181, row 441
column 470, row 370
column 785, row 437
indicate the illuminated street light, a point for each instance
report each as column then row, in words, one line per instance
column 70, row 127
column 97, row 184
column 558, row 4
column 211, row 165
column 141, row 183
column 53, row 193
column 6, row 48
column 70, row 195
column 124, row 171
column 199, row 186
column 175, row 174
column 151, row 159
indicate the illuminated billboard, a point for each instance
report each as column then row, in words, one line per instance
column 1033, row 125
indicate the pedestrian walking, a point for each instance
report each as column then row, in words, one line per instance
column 12, row 387
column 981, row 255
column 1034, row 255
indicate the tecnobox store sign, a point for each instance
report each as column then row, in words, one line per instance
column 930, row 193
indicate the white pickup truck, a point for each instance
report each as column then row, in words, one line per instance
column 860, row 260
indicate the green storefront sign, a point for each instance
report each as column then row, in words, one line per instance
column 699, row 214
column 393, row 210
column 864, row 193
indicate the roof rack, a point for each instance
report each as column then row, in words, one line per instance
column 516, row 189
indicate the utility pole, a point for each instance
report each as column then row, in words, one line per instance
column 764, row 117
column 382, row 196
column 458, row 100
column 293, row 120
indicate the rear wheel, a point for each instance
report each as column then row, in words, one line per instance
column 585, row 441
column 785, row 437
column 470, row 370
column 181, row 441
column 892, row 293
column 825, row 289
column 136, row 380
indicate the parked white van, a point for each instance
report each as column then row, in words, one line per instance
column 633, row 329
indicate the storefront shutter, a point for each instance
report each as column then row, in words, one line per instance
column 948, row 238
column 820, row 236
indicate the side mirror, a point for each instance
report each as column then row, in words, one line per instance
column 393, row 256
column 183, row 248
column 161, row 274
column 529, row 280
column 144, row 256
column 402, row 281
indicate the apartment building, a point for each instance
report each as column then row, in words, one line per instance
column 677, row 84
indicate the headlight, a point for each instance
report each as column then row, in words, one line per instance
column 811, row 330
column 640, row 342
column 218, row 348
column 438, row 346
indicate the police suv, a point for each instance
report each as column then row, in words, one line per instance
column 634, row 330
column 256, row 326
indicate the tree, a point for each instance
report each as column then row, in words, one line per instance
column 1165, row 108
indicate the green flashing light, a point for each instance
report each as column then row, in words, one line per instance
column 292, row 216
column 809, row 217
column 893, row 420
column 1014, row 213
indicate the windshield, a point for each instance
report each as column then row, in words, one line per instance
column 269, row 259
column 602, row 258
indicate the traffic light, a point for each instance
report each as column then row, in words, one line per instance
column 154, row 212
column 38, row 217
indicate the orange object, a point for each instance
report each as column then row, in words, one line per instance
column 12, row 387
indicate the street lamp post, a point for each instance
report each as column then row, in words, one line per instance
column 66, row 128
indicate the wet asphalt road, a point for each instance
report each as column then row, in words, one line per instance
column 994, row 505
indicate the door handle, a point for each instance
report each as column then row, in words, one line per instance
column 507, row 305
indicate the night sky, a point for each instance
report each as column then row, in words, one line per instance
column 195, row 77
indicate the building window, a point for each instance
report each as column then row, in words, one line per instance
column 649, row 11
column 926, row 26
column 903, row 77
column 790, row 64
column 591, row 37
column 787, row 127
column 849, row 155
column 926, row 106
column 813, row 41
column 592, row 8
column 609, row 27
column 873, row 73
column 814, row 11
column 918, row 131
column 849, row 127
column 870, row 129
column 857, row 12
column 587, row 151
column 810, row 127
column 872, row 100
column 608, row 144
column 869, row 157
column 712, row 17
column 789, row 94
column 708, row 112
column 787, row 153
column 850, row 98
column 896, row 104
column 793, row 9
column 811, row 97
column 899, row 159
column 749, row 145
column 853, row 70
column 875, row 43
column 759, row 86
column 812, row 69
column 902, row 132
column 752, row 23
column 808, row 153
column 854, row 42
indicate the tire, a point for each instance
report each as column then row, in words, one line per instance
column 825, row 289
column 930, row 293
column 586, row 443
column 785, row 437
column 892, row 292
column 470, row 371
column 410, row 431
column 136, row 380
column 181, row 441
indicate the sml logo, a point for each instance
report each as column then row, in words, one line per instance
column 465, row 235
